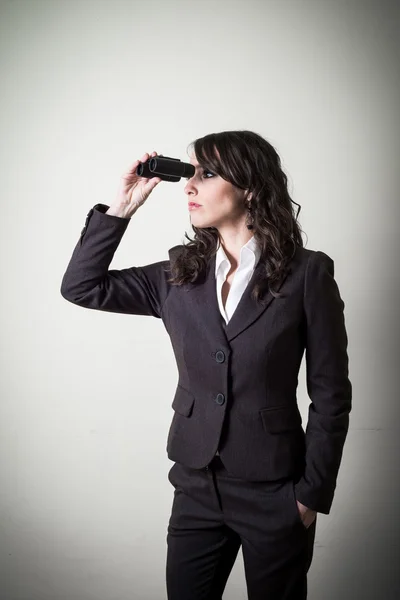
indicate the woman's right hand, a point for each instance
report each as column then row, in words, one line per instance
column 133, row 190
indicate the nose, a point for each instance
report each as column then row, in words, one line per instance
column 189, row 187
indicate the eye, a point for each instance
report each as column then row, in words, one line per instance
column 204, row 171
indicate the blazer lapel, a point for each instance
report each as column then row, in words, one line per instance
column 204, row 302
column 247, row 310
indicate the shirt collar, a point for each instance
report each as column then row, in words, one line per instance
column 249, row 254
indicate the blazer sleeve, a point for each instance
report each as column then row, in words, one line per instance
column 87, row 281
column 328, row 384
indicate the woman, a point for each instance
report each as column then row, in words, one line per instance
column 241, row 303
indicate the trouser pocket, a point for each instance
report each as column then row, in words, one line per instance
column 293, row 498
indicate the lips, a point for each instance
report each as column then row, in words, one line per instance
column 193, row 204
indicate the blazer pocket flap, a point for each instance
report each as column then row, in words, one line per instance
column 183, row 401
column 280, row 418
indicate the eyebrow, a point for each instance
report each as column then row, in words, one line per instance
column 197, row 167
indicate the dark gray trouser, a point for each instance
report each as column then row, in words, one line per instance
column 213, row 514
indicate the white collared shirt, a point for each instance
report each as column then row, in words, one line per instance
column 249, row 256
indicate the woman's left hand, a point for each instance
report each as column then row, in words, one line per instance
column 307, row 515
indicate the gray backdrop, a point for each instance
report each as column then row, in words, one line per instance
column 88, row 87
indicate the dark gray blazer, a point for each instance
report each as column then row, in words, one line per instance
column 237, row 382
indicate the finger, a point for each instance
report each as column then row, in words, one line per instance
column 153, row 182
column 133, row 166
column 145, row 157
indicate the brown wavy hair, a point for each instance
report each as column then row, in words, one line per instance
column 249, row 162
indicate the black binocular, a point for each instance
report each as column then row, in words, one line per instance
column 166, row 168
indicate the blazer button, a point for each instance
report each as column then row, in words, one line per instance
column 220, row 356
column 220, row 399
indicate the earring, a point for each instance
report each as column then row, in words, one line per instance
column 249, row 217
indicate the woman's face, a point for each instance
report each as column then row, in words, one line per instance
column 221, row 203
